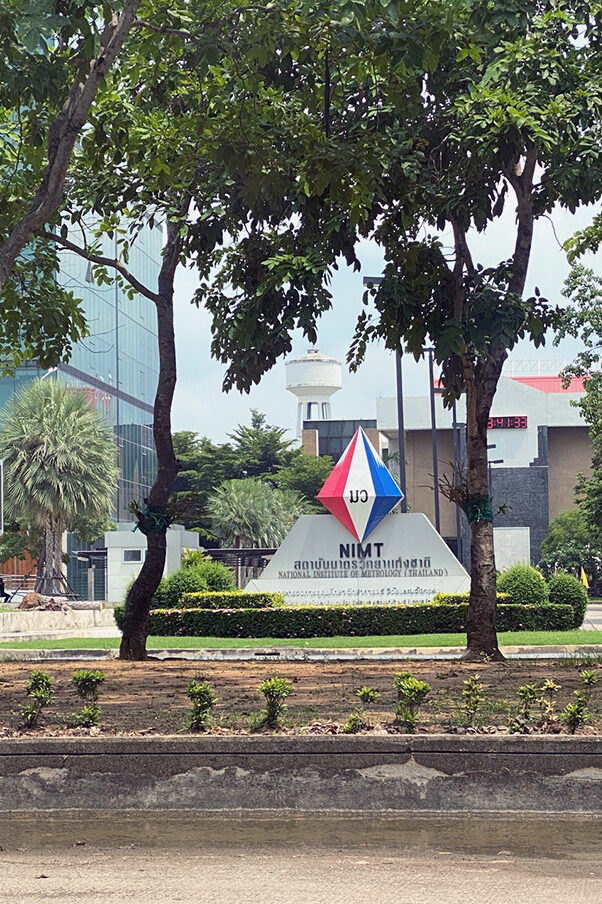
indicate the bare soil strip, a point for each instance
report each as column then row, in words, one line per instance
column 150, row 698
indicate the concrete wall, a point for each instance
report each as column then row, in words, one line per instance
column 419, row 471
column 512, row 546
column 28, row 621
column 569, row 452
column 309, row 442
column 120, row 572
column 397, row 773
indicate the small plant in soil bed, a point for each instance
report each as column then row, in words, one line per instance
column 87, row 683
column 577, row 714
column 39, row 690
column 472, row 698
column 275, row 690
column 203, row 699
column 358, row 720
column 411, row 694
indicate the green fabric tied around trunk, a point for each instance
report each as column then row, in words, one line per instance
column 154, row 519
column 478, row 509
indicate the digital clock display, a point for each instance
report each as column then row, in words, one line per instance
column 508, row 422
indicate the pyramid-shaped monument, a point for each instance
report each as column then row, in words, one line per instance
column 357, row 554
column 360, row 491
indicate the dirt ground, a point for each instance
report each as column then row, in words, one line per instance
column 150, row 698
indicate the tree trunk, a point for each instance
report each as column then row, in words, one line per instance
column 41, row 564
column 45, row 566
column 481, row 383
column 481, row 378
column 62, row 135
column 46, row 580
column 58, row 556
column 135, row 628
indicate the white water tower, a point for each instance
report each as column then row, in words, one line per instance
column 313, row 378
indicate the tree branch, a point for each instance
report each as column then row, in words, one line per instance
column 462, row 250
column 173, row 245
column 522, row 184
column 63, row 134
column 463, row 259
column 113, row 263
column 529, row 169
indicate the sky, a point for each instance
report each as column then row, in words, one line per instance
column 201, row 405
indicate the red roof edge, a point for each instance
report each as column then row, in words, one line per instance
column 552, row 384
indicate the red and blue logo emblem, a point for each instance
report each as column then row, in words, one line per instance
column 360, row 491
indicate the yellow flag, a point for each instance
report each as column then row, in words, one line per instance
column 584, row 579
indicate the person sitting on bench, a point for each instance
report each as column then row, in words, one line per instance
column 3, row 591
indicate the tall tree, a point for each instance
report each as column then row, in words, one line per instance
column 572, row 543
column 581, row 317
column 438, row 117
column 305, row 475
column 260, row 448
column 60, row 466
column 204, row 465
column 199, row 100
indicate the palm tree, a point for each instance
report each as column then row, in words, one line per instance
column 59, row 465
column 250, row 512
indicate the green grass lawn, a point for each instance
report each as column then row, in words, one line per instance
column 512, row 638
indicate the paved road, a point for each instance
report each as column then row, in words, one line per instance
column 593, row 617
column 169, row 858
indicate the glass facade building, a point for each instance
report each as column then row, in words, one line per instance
column 116, row 364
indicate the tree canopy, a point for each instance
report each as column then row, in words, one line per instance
column 582, row 318
column 250, row 512
column 572, row 543
column 438, row 117
column 258, row 450
column 54, row 56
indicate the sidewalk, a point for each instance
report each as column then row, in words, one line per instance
column 301, row 654
column 593, row 617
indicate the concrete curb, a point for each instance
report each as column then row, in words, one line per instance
column 302, row 654
column 305, row 774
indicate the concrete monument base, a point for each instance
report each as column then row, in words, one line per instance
column 404, row 560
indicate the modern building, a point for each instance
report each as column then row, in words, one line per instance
column 116, row 365
column 118, row 362
column 538, row 444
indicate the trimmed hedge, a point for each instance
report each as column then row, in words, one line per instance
column 171, row 589
column 345, row 621
column 453, row 599
column 234, row 599
column 523, row 584
column 567, row 590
